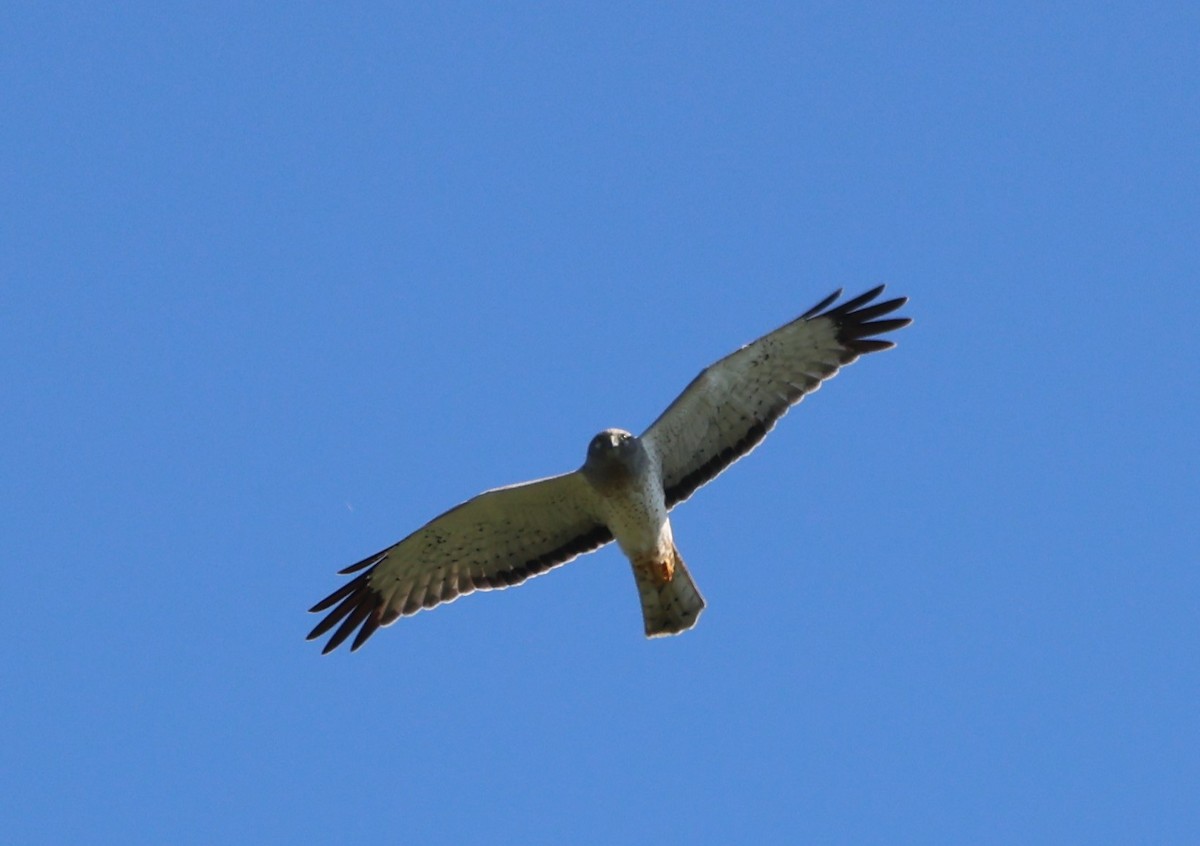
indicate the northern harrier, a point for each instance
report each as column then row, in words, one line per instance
column 623, row 491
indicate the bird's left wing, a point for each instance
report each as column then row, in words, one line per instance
column 732, row 404
column 499, row 538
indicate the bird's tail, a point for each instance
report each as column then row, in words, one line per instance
column 670, row 602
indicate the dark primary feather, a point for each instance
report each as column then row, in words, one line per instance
column 856, row 325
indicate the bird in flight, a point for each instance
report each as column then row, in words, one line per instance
column 623, row 492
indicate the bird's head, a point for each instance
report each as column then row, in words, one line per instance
column 612, row 455
column 609, row 444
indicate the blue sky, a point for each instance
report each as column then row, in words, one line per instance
column 282, row 283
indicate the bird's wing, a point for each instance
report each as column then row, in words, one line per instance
column 499, row 538
column 732, row 404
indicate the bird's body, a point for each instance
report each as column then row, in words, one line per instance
column 623, row 492
column 632, row 503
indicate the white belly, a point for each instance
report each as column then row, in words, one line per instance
column 636, row 514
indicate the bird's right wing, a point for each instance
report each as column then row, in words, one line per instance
column 499, row 538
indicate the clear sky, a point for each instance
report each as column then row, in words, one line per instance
column 279, row 284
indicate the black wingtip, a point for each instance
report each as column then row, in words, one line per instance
column 852, row 304
column 369, row 627
column 369, row 561
column 352, row 622
column 857, row 321
column 352, row 604
column 339, row 594
column 822, row 305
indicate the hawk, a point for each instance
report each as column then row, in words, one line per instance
column 623, row 492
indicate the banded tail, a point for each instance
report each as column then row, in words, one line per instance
column 670, row 602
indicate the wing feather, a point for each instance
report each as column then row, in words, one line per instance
column 500, row 538
column 729, row 408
